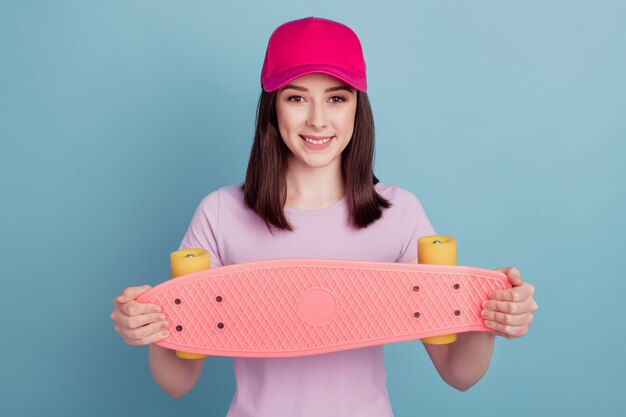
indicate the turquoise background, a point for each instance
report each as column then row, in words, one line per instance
column 506, row 118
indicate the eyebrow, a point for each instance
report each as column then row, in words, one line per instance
column 337, row 88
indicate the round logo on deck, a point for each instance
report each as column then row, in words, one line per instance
column 317, row 306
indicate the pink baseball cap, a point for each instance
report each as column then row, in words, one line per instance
column 309, row 45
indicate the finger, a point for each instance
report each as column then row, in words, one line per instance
column 135, row 322
column 134, row 308
column 510, row 319
column 155, row 337
column 514, row 275
column 519, row 293
column 131, row 293
column 143, row 335
column 511, row 307
column 506, row 329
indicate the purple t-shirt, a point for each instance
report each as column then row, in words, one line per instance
column 349, row 383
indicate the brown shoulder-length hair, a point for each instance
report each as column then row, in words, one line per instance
column 265, row 186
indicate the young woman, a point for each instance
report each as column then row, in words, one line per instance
column 310, row 192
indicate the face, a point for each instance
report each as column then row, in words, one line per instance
column 318, row 107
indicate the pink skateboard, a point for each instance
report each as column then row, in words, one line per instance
column 299, row 307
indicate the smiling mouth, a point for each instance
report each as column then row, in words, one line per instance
column 317, row 141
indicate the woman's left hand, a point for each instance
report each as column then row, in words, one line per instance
column 509, row 312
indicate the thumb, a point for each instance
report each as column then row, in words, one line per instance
column 513, row 274
column 130, row 293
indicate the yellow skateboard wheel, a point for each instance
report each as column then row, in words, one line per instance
column 437, row 250
column 187, row 261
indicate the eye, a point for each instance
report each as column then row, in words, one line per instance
column 294, row 97
column 337, row 97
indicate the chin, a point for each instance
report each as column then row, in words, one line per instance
column 317, row 163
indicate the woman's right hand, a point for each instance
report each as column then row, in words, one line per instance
column 138, row 324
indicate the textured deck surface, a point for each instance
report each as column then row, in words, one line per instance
column 297, row 307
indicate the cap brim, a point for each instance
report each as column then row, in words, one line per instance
column 280, row 79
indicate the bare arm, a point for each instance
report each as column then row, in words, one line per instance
column 143, row 324
column 508, row 312
column 174, row 375
column 463, row 363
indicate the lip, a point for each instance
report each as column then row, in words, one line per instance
column 316, row 137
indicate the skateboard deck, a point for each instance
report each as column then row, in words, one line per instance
column 299, row 307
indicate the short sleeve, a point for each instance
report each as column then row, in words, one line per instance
column 203, row 231
column 414, row 225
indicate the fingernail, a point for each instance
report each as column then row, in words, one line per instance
column 120, row 298
column 484, row 314
column 489, row 324
column 165, row 333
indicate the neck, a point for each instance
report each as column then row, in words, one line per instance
column 311, row 188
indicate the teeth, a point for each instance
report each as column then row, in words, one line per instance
column 317, row 142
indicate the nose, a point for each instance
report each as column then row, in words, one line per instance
column 317, row 116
